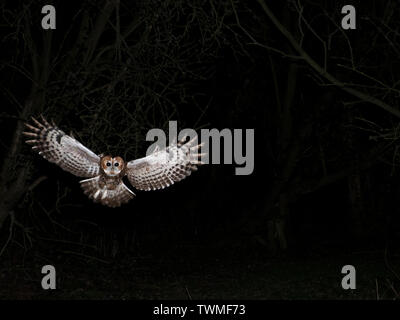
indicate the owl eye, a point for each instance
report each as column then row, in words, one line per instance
column 108, row 164
column 116, row 164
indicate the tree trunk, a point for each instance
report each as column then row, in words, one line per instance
column 356, row 204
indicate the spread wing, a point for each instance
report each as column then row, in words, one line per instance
column 165, row 167
column 57, row 147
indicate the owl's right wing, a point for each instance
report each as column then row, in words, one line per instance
column 59, row 148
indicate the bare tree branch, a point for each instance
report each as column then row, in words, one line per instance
column 322, row 71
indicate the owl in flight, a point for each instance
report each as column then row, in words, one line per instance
column 104, row 184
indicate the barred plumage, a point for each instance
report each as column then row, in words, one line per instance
column 164, row 167
column 57, row 147
column 156, row 171
column 111, row 196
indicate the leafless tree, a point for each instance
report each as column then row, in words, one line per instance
column 110, row 71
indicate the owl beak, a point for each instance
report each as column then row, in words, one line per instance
column 113, row 172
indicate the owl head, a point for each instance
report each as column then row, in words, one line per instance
column 112, row 166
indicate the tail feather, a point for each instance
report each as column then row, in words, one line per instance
column 108, row 197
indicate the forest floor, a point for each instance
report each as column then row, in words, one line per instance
column 201, row 273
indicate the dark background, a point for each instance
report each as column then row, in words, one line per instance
column 323, row 102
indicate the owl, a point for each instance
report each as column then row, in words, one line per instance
column 104, row 173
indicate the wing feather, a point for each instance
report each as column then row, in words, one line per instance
column 59, row 148
column 165, row 167
column 99, row 192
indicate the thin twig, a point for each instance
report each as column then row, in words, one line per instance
column 320, row 70
column 10, row 233
column 188, row 293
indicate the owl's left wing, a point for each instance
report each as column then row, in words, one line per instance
column 59, row 148
column 165, row 167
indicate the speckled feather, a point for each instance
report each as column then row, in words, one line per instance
column 109, row 194
column 165, row 167
column 57, row 147
column 156, row 171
